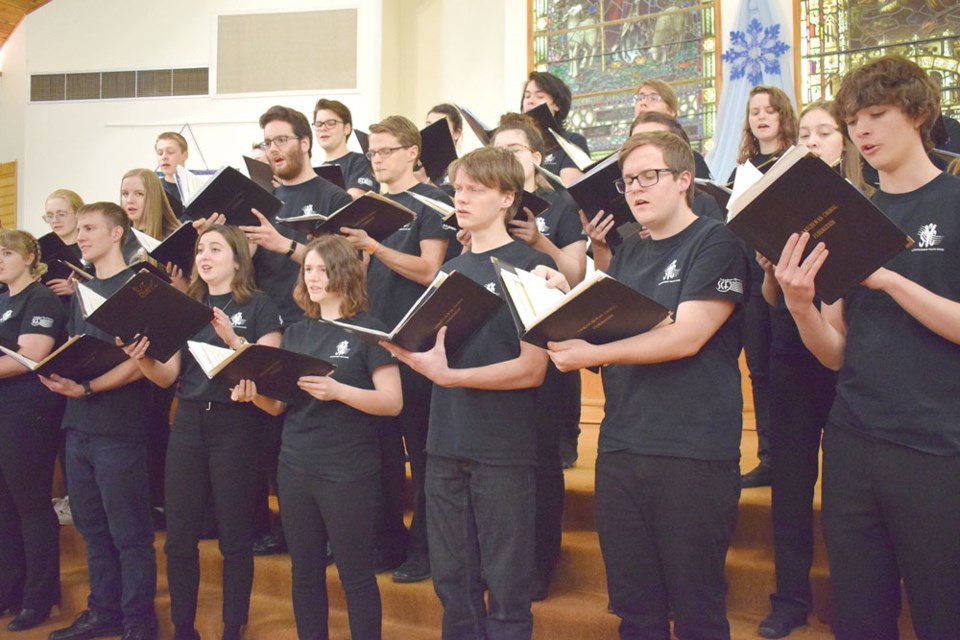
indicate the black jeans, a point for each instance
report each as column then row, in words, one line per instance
column 802, row 392
column 480, row 519
column 756, row 348
column 890, row 512
column 211, row 446
column 29, row 531
column 110, row 502
column 266, row 474
column 553, row 401
column 665, row 525
column 316, row 511
column 413, row 421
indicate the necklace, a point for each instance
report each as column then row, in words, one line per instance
column 223, row 308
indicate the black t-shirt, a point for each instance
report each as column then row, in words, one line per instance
column 118, row 412
column 687, row 408
column 558, row 160
column 326, row 438
column 560, row 222
column 173, row 197
column 35, row 310
column 356, row 170
column 392, row 295
column 492, row 427
column 252, row 320
column 701, row 170
column 900, row 381
column 276, row 273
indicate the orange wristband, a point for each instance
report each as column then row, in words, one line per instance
column 372, row 250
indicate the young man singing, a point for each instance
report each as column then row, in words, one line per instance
column 481, row 447
column 668, row 476
column 107, row 459
column 891, row 446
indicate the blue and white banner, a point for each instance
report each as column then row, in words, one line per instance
column 758, row 52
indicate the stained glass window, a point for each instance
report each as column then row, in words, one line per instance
column 603, row 49
column 837, row 35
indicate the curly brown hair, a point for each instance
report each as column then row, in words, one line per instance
column 787, row 134
column 892, row 80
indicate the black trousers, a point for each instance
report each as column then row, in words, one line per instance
column 665, row 525
column 316, row 511
column 890, row 512
column 266, row 473
column 554, row 402
column 29, row 531
column 413, row 424
column 392, row 536
column 157, row 430
column 802, row 392
column 211, row 446
column 756, row 348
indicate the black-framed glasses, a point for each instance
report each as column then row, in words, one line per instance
column 279, row 141
column 643, row 179
column 652, row 98
column 384, row 153
column 326, row 124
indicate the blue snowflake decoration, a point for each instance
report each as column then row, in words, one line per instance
column 755, row 52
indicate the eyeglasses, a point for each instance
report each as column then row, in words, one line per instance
column 384, row 153
column 59, row 216
column 516, row 148
column 643, row 179
column 279, row 140
column 652, row 98
column 326, row 124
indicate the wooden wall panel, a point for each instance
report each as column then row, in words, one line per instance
column 8, row 195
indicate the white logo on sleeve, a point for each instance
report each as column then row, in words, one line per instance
column 542, row 226
column 671, row 273
column 41, row 321
column 307, row 210
column 237, row 319
column 6, row 315
column 928, row 238
column 365, row 181
column 725, row 285
column 491, row 287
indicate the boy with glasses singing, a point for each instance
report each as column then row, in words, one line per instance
column 333, row 124
column 399, row 271
column 668, row 475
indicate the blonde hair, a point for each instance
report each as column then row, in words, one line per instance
column 24, row 244
column 158, row 217
column 71, row 197
column 495, row 168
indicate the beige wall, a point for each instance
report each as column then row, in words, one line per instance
column 469, row 52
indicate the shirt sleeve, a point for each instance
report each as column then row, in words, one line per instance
column 266, row 317
column 569, row 229
column 43, row 315
column 719, row 270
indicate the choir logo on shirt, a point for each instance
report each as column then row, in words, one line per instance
column 6, row 315
column 727, row 285
column 307, row 210
column 548, row 160
column 491, row 287
column 929, row 240
column 671, row 273
column 542, row 225
column 41, row 321
column 237, row 319
column 365, row 181
column 343, row 350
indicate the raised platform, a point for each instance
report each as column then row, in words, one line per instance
column 575, row 610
